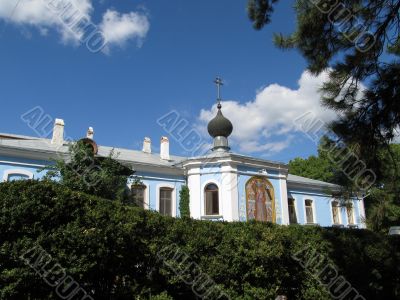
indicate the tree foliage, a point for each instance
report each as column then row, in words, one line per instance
column 184, row 202
column 86, row 172
column 260, row 12
column 113, row 251
column 382, row 206
column 318, row 167
column 358, row 43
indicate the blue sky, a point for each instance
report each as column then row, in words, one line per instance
column 147, row 72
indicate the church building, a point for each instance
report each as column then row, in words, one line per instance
column 223, row 185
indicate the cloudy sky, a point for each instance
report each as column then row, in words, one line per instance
column 119, row 66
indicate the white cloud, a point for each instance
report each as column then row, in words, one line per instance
column 266, row 124
column 44, row 16
column 61, row 15
column 119, row 28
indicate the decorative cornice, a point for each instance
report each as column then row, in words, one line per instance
column 231, row 158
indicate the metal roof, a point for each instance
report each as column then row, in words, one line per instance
column 42, row 145
column 307, row 181
column 121, row 154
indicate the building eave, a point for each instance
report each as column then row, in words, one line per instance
column 235, row 159
column 46, row 155
column 326, row 188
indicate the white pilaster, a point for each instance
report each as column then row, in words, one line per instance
column 361, row 209
column 229, row 188
column 284, row 202
column 194, row 184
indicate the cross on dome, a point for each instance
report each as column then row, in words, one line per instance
column 220, row 127
column 218, row 81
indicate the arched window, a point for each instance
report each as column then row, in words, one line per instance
column 309, row 212
column 292, row 211
column 14, row 177
column 211, row 197
column 166, row 201
column 14, row 174
column 138, row 195
column 335, row 212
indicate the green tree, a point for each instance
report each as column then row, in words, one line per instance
column 334, row 164
column 329, row 165
column 318, row 167
column 381, row 204
column 88, row 173
column 184, row 202
column 358, row 43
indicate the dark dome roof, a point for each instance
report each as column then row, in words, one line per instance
column 220, row 126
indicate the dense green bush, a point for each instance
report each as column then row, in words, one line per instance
column 120, row 252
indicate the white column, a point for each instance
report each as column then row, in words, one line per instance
column 284, row 202
column 229, row 193
column 361, row 209
column 194, row 184
column 234, row 197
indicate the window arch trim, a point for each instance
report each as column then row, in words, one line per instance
column 146, row 193
column 203, row 200
column 218, row 190
column 9, row 172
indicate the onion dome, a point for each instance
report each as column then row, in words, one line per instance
column 220, row 126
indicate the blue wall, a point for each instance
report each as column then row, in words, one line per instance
column 156, row 180
column 152, row 180
column 322, row 203
column 13, row 163
column 322, row 206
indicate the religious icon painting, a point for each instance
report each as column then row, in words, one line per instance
column 260, row 200
column 268, row 205
column 251, row 209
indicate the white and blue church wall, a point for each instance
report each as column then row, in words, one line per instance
column 212, row 183
column 222, row 185
column 229, row 175
column 17, row 168
column 318, row 207
column 223, row 178
column 155, row 183
column 268, row 178
column 27, row 158
column 229, row 178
